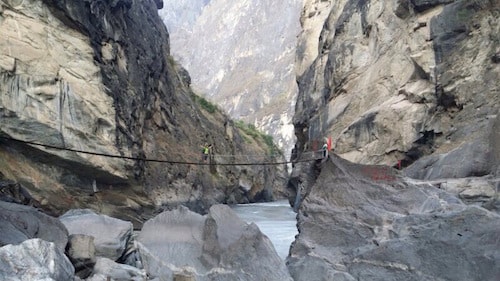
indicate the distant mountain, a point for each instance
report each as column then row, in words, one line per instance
column 240, row 55
column 181, row 14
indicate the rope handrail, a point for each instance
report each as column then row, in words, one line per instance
column 317, row 155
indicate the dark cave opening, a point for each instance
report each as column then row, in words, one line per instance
column 421, row 147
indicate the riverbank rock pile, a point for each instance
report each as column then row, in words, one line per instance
column 175, row 245
column 367, row 222
column 218, row 246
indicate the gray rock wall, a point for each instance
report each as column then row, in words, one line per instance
column 98, row 76
column 398, row 80
column 366, row 222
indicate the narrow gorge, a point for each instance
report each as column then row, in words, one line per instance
column 107, row 109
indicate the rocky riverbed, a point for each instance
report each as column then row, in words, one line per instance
column 355, row 222
column 174, row 245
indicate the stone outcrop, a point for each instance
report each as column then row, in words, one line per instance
column 98, row 76
column 478, row 191
column 392, row 82
column 111, row 235
column 32, row 240
column 106, row 269
column 478, row 157
column 34, row 259
column 81, row 252
column 19, row 223
column 218, row 246
column 367, row 222
column 240, row 55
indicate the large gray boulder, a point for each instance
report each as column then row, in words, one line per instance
column 479, row 191
column 170, row 240
column 360, row 222
column 106, row 269
column 111, row 235
column 81, row 253
column 34, row 260
column 218, row 246
column 19, row 223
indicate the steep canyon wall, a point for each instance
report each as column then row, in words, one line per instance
column 396, row 81
column 97, row 76
column 403, row 84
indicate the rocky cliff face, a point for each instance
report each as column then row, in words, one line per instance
column 399, row 80
column 403, row 83
column 240, row 55
column 97, row 76
column 367, row 222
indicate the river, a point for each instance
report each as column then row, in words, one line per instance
column 275, row 219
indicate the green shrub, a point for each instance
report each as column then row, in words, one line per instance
column 204, row 103
column 251, row 130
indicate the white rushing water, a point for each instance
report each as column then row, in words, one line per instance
column 275, row 219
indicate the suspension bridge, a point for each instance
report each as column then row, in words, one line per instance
column 213, row 159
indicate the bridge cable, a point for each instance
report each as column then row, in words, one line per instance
column 152, row 159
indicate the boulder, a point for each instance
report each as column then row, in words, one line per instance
column 81, row 252
column 110, row 235
column 106, row 269
column 219, row 246
column 233, row 244
column 19, row 223
column 482, row 191
column 34, row 259
column 170, row 240
column 468, row 160
column 361, row 222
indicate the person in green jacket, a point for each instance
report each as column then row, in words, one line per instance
column 205, row 152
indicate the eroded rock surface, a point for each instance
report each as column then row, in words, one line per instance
column 111, row 235
column 391, row 82
column 98, row 76
column 34, row 259
column 81, row 252
column 19, row 223
column 362, row 222
column 408, row 84
column 105, row 269
column 218, row 246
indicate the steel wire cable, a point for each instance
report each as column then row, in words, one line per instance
column 314, row 157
